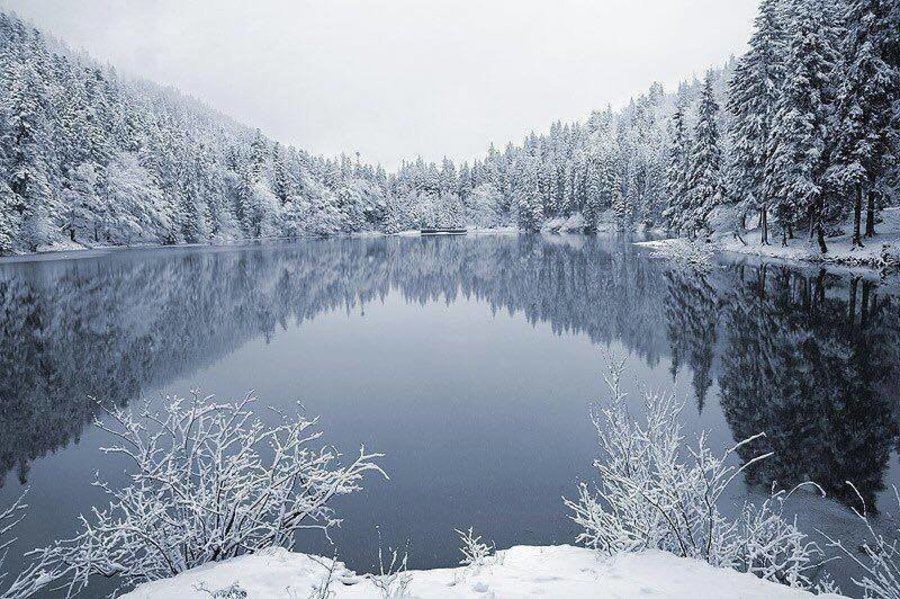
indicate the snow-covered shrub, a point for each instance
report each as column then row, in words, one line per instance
column 475, row 551
column 232, row 591
column 888, row 259
column 878, row 557
column 695, row 254
column 209, row 481
column 36, row 576
column 321, row 589
column 393, row 579
column 657, row 492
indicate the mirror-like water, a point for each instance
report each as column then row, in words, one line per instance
column 471, row 362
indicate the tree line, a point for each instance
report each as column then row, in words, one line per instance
column 800, row 131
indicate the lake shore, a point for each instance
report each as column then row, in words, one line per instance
column 878, row 253
column 73, row 249
column 522, row 571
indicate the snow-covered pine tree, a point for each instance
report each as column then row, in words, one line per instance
column 448, row 179
column 622, row 210
column 602, row 181
column 530, row 208
column 704, row 181
column 867, row 104
column 27, row 161
column 752, row 96
column 9, row 225
column 678, row 201
column 593, row 192
column 803, row 133
column 282, row 183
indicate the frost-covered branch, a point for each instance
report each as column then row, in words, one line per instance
column 878, row 558
column 37, row 575
column 475, row 551
column 393, row 579
column 656, row 491
column 209, row 481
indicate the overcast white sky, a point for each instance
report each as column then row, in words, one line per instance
column 397, row 78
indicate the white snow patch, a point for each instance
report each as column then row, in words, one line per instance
column 879, row 251
column 505, row 230
column 565, row 224
column 681, row 250
column 558, row 572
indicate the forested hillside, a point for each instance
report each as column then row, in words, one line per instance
column 800, row 131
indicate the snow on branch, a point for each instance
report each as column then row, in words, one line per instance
column 878, row 558
column 476, row 552
column 657, row 492
column 209, row 481
column 393, row 578
column 37, row 575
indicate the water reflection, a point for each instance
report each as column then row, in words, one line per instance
column 809, row 358
column 813, row 363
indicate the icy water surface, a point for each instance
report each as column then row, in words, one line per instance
column 470, row 361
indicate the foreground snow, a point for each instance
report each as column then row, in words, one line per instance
column 561, row 571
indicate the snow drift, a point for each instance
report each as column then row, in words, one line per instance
column 559, row 571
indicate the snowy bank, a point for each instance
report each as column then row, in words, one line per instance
column 557, row 572
column 840, row 248
column 881, row 251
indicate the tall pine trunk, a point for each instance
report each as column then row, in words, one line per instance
column 815, row 220
column 763, row 226
column 870, row 216
column 820, row 235
column 857, row 216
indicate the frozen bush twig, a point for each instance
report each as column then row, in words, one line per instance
column 321, row 589
column 209, row 481
column 655, row 491
column 233, row 591
column 475, row 551
column 392, row 580
column 37, row 575
column 878, row 557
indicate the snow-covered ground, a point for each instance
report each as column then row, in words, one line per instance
column 554, row 572
column 840, row 248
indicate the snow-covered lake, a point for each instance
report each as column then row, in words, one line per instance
column 470, row 361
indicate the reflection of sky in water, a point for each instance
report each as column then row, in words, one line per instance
column 482, row 413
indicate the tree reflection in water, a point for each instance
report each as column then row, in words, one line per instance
column 809, row 358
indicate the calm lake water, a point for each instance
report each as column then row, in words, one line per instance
column 470, row 361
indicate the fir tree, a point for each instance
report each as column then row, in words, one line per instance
column 678, row 200
column 752, row 96
column 530, row 203
column 867, row 104
column 704, row 181
column 803, row 133
column 9, row 226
